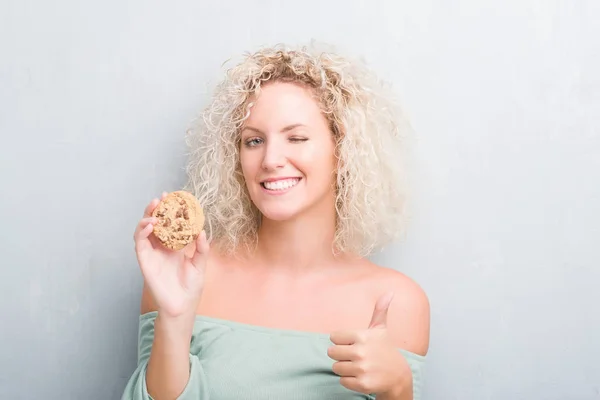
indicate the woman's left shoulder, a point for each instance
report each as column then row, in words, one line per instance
column 402, row 285
column 408, row 316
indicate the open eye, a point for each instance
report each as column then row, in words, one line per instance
column 253, row 142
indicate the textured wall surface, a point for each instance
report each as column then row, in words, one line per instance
column 504, row 97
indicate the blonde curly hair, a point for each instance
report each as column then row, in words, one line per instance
column 370, row 132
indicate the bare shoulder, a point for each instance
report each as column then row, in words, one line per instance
column 409, row 312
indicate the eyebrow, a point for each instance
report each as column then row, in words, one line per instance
column 286, row 129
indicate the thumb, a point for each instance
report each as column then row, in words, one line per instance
column 200, row 255
column 379, row 318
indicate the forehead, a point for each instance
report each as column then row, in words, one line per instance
column 280, row 103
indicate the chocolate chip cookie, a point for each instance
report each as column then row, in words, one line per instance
column 180, row 220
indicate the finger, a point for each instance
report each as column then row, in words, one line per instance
column 164, row 194
column 345, row 337
column 189, row 250
column 379, row 318
column 142, row 242
column 345, row 368
column 352, row 383
column 341, row 352
column 150, row 208
column 140, row 230
column 201, row 254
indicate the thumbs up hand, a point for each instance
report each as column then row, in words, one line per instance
column 368, row 362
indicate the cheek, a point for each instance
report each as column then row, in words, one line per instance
column 317, row 152
column 318, row 161
column 246, row 164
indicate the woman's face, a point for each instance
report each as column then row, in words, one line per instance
column 287, row 152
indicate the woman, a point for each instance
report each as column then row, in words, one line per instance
column 295, row 163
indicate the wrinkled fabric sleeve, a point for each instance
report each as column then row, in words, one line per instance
column 136, row 389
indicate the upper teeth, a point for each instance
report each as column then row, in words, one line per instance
column 282, row 184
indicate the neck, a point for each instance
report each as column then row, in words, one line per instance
column 300, row 244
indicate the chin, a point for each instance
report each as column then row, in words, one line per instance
column 278, row 214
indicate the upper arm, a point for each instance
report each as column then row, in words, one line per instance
column 147, row 301
column 409, row 316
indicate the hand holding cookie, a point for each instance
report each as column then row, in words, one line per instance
column 172, row 249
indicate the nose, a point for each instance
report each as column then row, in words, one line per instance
column 274, row 157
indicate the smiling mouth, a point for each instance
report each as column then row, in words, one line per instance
column 282, row 184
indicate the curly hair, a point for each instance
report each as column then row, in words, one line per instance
column 370, row 132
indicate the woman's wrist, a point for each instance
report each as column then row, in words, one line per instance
column 401, row 391
column 403, row 387
column 174, row 327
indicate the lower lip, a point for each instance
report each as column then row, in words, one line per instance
column 280, row 191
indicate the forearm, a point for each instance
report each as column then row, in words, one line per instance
column 168, row 369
